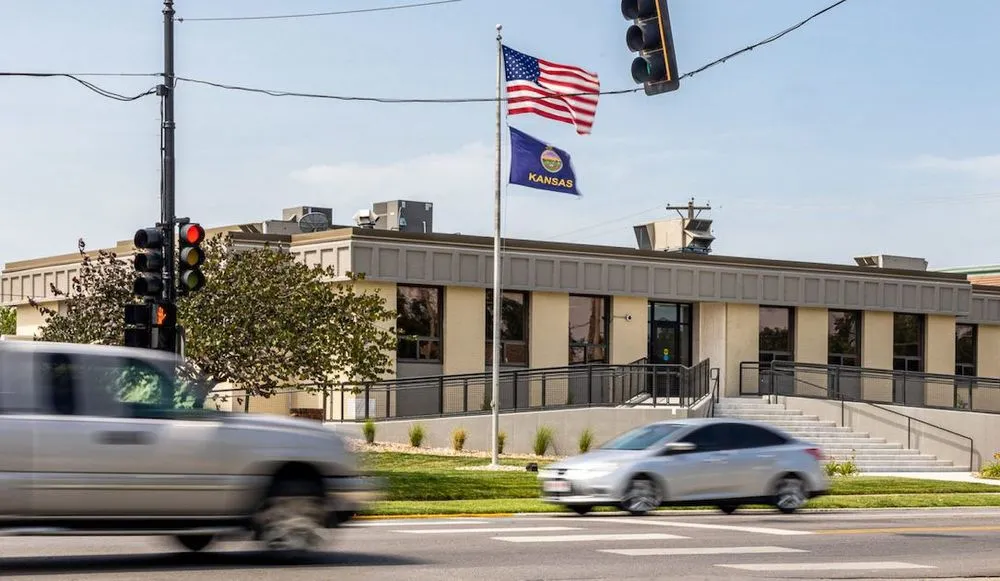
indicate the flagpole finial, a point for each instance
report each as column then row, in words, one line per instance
column 499, row 27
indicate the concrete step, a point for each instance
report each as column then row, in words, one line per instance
column 846, row 453
column 854, row 442
column 903, row 465
column 913, row 469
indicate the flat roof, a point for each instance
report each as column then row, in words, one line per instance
column 250, row 232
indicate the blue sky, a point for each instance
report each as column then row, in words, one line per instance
column 872, row 129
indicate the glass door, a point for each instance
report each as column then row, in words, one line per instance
column 669, row 345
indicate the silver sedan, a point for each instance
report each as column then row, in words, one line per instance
column 715, row 462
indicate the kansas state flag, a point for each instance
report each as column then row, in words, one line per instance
column 534, row 164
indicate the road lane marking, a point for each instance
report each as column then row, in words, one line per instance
column 680, row 551
column 846, row 566
column 891, row 530
column 488, row 530
column 418, row 523
column 734, row 528
column 589, row 538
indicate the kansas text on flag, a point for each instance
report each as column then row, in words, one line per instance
column 534, row 164
column 551, row 90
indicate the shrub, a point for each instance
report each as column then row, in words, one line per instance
column 369, row 430
column 501, row 439
column 458, row 439
column 416, row 435
column 543, row 439
column 991, row 470
column 586, row 440
column 845, row 468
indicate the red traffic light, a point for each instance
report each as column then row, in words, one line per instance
column 192, row 234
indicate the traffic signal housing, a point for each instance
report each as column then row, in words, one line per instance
column 190, row 258
column 650, row 35
column 148, row 263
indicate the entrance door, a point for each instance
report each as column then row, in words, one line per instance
column 669, row 344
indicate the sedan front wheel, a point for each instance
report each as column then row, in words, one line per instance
column 642, row 496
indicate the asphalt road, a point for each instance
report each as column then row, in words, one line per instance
column 911, row 544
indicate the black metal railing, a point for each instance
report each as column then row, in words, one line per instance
column 905, row 388
column 878, row 388
column 576, row 386
column 594, row 385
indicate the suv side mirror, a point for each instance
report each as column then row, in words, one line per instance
column 678, row 448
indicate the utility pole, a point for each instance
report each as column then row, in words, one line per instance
column 690, row 207
column 168, row 180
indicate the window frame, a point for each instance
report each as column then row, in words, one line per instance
column 505, row 343
column 967, row 368
column 767, row 356
column 921, row 344
column 420, row 340
column 839, row 358
column 587, row 346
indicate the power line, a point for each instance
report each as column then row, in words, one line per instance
column 100, row 91
column 314, row 14
column 392, row 100
column 767, row 40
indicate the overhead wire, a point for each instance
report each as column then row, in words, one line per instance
column 411, row 100
column 317, row 14
column 99, row 90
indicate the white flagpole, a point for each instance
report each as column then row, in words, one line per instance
column 497, row 271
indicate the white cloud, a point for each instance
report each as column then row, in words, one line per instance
column 980, row 166
column 437, row 174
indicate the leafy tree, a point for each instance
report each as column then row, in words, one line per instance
column 8, row 321
column 263, row 320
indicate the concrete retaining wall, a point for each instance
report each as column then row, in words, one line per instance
column 566, row 426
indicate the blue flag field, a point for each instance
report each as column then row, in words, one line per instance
column 534, row 164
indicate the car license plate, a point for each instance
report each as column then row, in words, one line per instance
column 555, row 486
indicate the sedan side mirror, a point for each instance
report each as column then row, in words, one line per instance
column 678, row 448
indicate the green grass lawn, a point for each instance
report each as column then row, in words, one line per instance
column 426, row 478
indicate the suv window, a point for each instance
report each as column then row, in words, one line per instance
column 748, row 436
column 103, row 385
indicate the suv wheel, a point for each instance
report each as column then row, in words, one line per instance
column 580, row 508
column 195, row 543
column 291, row 516
column 728, row 508
column 641, row 496
column 789, row 494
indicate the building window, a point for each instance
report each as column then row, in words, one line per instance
column 513, row 328
column 419, row 322
column 965, row 350
column 844, row 339
column 908, row 342
column 776, row 334
column 588, row 329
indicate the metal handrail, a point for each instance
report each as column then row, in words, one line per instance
column 791, row 367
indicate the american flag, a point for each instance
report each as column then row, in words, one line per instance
column 530, row 78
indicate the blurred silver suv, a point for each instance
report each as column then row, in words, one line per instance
column 107, row 440
column 715, row 462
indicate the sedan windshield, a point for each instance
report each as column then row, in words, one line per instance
column 641, row 438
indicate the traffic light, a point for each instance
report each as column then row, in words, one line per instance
column 149, row 263
column 137, row 326
column 164, row 326
column 650, row 36
column 190, row 258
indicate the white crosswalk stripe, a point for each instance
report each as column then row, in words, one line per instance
column 589, row 538
column 707, row 526
column 446, row 531
column 680, row 551
column 835, row 566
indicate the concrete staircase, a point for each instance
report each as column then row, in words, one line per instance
column 838, row 443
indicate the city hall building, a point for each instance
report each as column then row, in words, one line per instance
column 574, row 304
